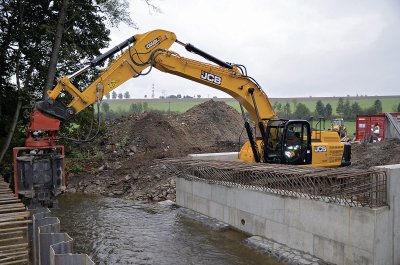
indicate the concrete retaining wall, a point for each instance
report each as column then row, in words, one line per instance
column 334, row 233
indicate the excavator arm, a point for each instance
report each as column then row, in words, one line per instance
column 152, row 50
column 231, row 81
column 129, row 64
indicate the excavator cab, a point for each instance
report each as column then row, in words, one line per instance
column 288, row 142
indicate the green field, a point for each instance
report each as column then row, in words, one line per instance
column 389, row 103
column 173, row 105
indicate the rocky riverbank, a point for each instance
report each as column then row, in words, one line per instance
column 121, row 162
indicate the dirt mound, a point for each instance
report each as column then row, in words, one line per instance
column 125, row 153
column 367, row 155
column 208, row 127
column 159, row 135
column 212, row 123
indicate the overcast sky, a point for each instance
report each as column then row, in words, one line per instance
column 292, row 48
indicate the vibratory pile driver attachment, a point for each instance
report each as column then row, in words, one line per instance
column 39, row 167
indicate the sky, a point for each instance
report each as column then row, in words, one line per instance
column 296, row 48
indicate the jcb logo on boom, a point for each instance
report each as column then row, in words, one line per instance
column 152, row 43
column 211, row 77
column 320, row 148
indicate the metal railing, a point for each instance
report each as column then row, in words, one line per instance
column 345, row 186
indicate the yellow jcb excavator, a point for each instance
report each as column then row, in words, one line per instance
column 337, row 125
column 280, row 141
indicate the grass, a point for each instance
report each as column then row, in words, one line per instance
column 389, row 103
column 173, row 105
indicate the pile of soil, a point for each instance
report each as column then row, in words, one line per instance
column 123, row 158
column 366, row 155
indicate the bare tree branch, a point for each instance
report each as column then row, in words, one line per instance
column 153, row 7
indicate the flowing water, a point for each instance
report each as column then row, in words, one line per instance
column 119, row 231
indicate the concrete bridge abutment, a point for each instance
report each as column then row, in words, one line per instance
column 334, row 233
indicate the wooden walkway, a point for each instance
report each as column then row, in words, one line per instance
column 14, row 220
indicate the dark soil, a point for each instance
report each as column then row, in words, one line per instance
column 366, row 155
column 123, row 156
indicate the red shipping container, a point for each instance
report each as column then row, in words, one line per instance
column 366, row 123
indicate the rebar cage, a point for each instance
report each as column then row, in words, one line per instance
column 345, row 186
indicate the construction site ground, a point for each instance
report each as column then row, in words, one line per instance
column 120, row 162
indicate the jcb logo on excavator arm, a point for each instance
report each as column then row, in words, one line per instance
column 152, row 43
column 211, row 77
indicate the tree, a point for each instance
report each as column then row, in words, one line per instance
column 145, row 106
column 35, row 36
column 111, row 12
column 320, row 108
column 340, row 106
column 136, row 108
column 301, row 112
column 105, row 107
column 51, row 73
column 120, row 96
column 294, row 103
column 398, row 108
column 287, row 111
column 355, row 110
column 347, row 110
column 16, row 114
column 114, row 95
column 198, row 96
column 127, row 95
column 108, row 96
column 378, row 106
column 328, row 111
column 277, row 106
column 375, row 108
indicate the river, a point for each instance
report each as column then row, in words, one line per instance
column 118, row 231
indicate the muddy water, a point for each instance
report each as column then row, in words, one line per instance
column 118, row 231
